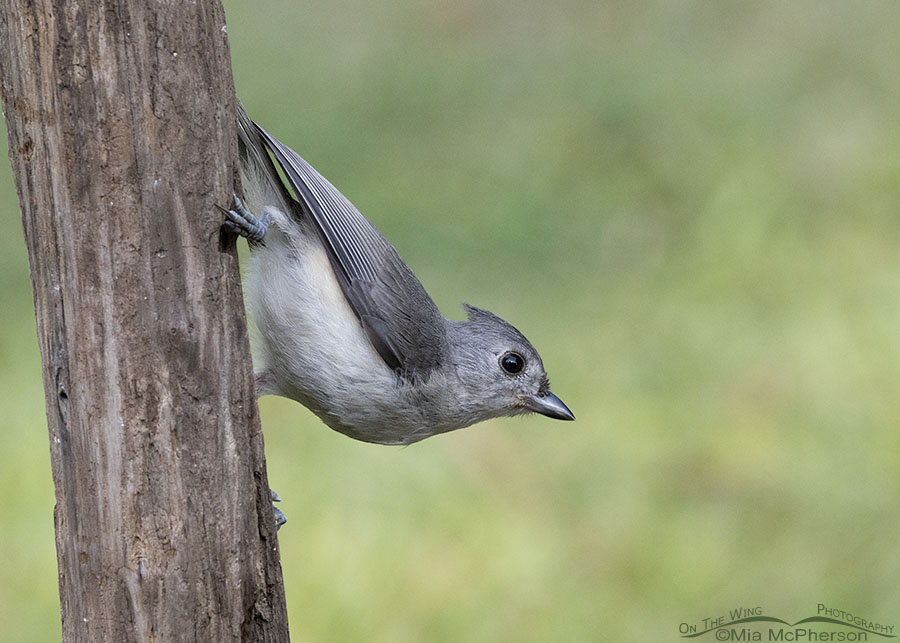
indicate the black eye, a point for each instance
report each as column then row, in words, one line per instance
column 512, row 363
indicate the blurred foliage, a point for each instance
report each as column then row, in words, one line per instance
column 691, row 209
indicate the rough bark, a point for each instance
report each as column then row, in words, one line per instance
column 121, row 137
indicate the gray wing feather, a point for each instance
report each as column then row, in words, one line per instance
column 402, row 322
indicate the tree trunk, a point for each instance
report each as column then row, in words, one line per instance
column 122, row 139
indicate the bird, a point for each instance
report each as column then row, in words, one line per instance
column 347, row 330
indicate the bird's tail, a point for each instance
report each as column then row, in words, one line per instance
column 260, row 182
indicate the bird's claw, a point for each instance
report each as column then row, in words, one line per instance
column 244, row 223
column 280, row 518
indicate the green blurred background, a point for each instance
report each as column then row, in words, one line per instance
column 691, row 209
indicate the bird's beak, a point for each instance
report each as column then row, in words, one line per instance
column 550, row 405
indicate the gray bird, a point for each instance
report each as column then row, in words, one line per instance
column 346, row 329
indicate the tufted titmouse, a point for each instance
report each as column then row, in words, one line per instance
column 347, row 330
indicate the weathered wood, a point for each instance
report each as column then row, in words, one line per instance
column 121, row 138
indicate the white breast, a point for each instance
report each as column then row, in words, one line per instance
column 312, row 345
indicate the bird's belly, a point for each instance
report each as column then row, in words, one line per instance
column 314, row 348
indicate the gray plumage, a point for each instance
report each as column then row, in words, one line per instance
column 347, row 329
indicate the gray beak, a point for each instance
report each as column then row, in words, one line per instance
column 549, row 405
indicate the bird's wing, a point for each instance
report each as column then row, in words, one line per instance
column 402, row 322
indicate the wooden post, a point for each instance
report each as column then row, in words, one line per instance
column 122, row 139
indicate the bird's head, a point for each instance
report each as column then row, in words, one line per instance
column 500, row 370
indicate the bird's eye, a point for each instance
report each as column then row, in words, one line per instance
column 512, row 363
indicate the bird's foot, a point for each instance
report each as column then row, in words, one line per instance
column 241, row 221
column 280, row 518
